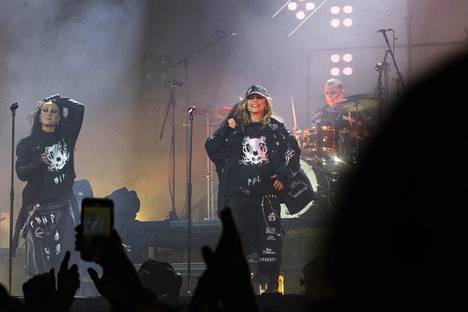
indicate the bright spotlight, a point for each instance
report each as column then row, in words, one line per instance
column 348, row 57
column 348, row 9
column 292, row 6
column 335, row 71
column 335, row 23
column 335, row 10
column 348, row 71
column 348, row 22
column 300, row 15
column 310, row 6
column 335, row 58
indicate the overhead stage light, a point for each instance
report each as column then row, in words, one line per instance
column 347, row 9
column 348, row 22
column 335, row 71
column 300, row 15
column 335, row 23
column 292, row 6
column 335, row 10
column 335, row 58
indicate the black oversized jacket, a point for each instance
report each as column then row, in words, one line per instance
column 224, row 148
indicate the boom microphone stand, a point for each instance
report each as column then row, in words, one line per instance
column 392, row 54
column 13, row 108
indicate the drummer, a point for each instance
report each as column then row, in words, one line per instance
column 333, row 92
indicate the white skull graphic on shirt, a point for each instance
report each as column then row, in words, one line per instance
column 57, row 155
column 255, row 151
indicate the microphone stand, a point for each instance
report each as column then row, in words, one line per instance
column 171, row 109
column 190, row 111
column 392, row 54
column 13, row 108
column 382, row 88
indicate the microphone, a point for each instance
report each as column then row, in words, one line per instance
column 174, row 84
column 222, row 33
column 384, row 30
column 191, row 109
column 14, row 106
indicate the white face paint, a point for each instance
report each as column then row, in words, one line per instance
column 57, row 155
column 255, row 151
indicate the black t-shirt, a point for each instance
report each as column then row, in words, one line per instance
column 252, row 171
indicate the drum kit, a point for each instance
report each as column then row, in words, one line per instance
column 330, row 147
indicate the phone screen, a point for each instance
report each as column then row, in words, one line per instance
column 97, row 221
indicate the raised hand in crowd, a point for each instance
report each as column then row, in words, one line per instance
column 225, row 284
column 9, row 303
column 119, row 283
column 40, row 293
column 68, row 282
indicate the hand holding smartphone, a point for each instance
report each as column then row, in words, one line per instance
column 97, row 219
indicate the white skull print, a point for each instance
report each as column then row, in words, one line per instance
column 255, row 151
column 57, row 155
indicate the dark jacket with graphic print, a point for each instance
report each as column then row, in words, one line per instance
column 224, row 148
column 53, row 182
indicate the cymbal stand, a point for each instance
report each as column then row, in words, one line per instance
column 170, row 109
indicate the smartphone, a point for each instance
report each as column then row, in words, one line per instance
column 97, row 219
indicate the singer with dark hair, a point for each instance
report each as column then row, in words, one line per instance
column 45, row 161
column 255, row 157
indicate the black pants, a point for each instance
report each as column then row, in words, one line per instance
column 258, row 220
column 50, row 233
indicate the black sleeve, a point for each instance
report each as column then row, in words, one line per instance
column 27, row 164
column 218, row 146
column 290, row 155
column 74, row 118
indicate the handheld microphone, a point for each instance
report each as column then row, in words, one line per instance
column 191, row 109
column 14, row 106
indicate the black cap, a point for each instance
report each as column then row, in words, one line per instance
column 257, row 89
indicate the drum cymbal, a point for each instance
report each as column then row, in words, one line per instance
column 356, row 103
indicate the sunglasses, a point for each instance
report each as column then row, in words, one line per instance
column 255, row 96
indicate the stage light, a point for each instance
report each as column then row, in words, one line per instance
column 300, row 15
column 335, row 71
column 348, row 57
column 348, row 71
column 348, row 22
column 335, row 23
column 335, row 58
column 335, row 10
column 292, row 6
column 310, row 6
column 348, row 9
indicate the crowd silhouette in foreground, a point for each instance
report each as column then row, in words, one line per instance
column 397, row 239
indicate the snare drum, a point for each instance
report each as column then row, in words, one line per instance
column 320, row 138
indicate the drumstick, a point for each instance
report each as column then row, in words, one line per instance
column 294, row 115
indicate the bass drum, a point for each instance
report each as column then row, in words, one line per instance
column 321, row 183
